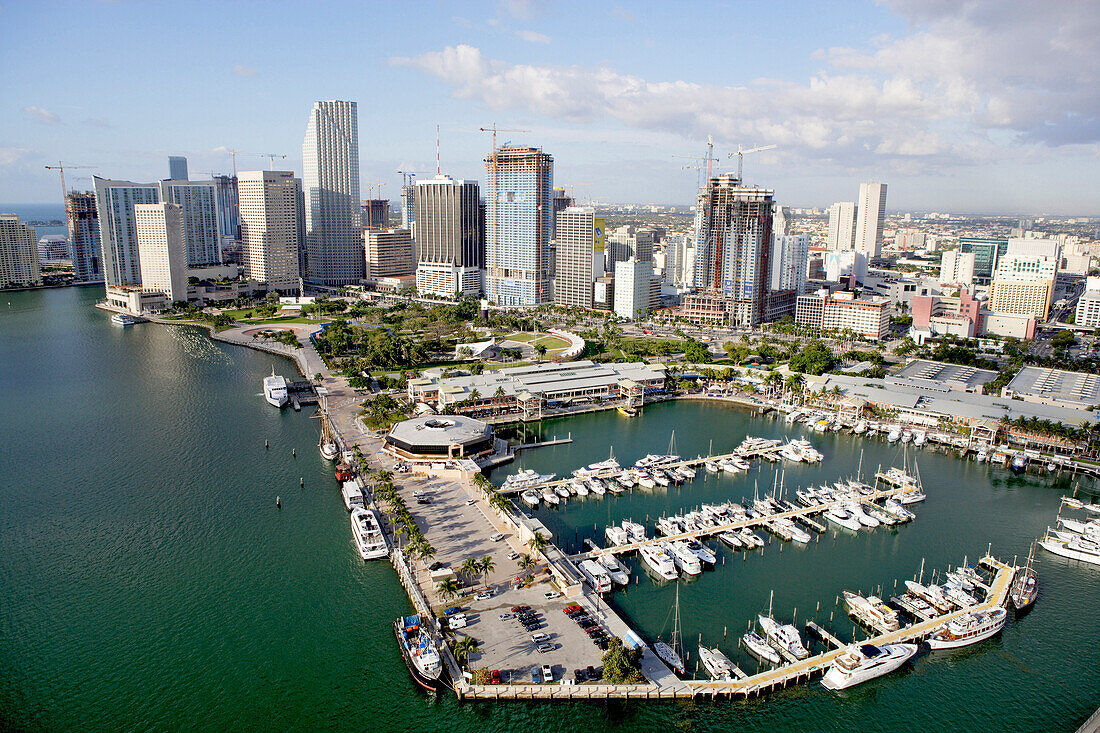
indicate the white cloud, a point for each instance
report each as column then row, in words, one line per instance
column 533, row 36
column 38, row 114
column 10, row 156
column 243, row 71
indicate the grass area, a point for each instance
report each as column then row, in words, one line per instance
column 551, row 342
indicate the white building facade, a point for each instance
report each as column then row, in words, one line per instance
column 632, row 290
column 957, row 268
column 790, row 262
column 842, row 226
column 18, row 254
column 162, row 246
column 518, row 218
column 268, row 206
column 115, row 201
column 870, row 218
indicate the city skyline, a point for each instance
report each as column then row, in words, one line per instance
column 848, row 95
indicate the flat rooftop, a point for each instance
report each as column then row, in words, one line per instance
column 549, row 379
column 1072, row 388
column 442, row 430
column 948, row 376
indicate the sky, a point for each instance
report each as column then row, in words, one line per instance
column 959, row 106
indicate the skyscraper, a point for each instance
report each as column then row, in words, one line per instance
column 790, row 262
column 269, row 227
column 559, row 203
column 870, row 218
column 199, row 201
column 162, row 244
column 408, row 206
column 177, row 168
column 114, row 202
column 450, row 242
column 390, row 253
column 228, row 207
column 842, row 226
column 580, row 256
column 330, row 160
column 733, row 246
column 83, row 221
column 517, row 252
column 18, row 253
column 632, row 288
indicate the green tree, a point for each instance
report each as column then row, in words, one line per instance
column 471, row 567
column 538, row 542
column 447, row 588
column 463, row 648
column 525, row 562
column 814, row 359
column 622, row 666
column 540, row 350
column 487, row 565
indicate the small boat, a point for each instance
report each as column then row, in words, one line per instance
column 1018, row 464
column 717, row 664
column 1025, row 586
column 860, row 428
column 669, row 653
column 840, row 516
column 784, row 636
column 759, row 648
column 615, row 569
column 562, row 491
column 983, row 456
column 866, row 662
column 530, row 497
column 123, row 319
column 368, row 534
column 1076, row 547
column 659, row 561
column 871, row 611
column 628, row 411
column 550, row 497
column 894, row 435
column 275, row 391
column 730, row 539
column 970, row 628
column 418, row 651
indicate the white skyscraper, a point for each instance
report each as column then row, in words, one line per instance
column 580, row 256
column 199, row 200
column 517, row 219
column 870, row 218
column 115, row 201
column 269, row 227
column 790, row 262
column 632, row 288
column 330, row 161
column 162, row 246
column 842, row 225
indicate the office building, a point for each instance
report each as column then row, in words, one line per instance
column 199, row 201
column 846, row 267
column 626, row 242
column 870, row 217
column 842, row 226
column 376, row 213
column 269, row 211
column 841, row 311
column 1023, row 283
column 408, row 207
column 733, row 246
column 518, row 216
column 632, row 289
column 781, row 221
column 162, row 248
column 84, row 248
column 114, row 202
column 558, row 203
column 580, row 256
column 229, row 219
column 177, row 168
column 18, row 256
column 910, row 240
column 390, row 253
column 53, row 249
column 987, row 254
column 330, row 161
column 450, row 241
column 957, row 268
column 1088, row 305
column 789, row 262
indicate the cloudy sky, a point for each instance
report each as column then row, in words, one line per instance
column 958, row 105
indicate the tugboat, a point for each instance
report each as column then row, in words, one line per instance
column 418, row 651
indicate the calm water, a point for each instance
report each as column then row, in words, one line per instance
column 147, row 580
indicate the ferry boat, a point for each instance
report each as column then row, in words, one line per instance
column 717, row 664
column 353, row 495
column 970, row 628
column 368, row 534
column 785, row 636
column 866, row 662
column 123, row 319
column 759, row 648
column 275, row 389
column 659, row 562
column 418, row 651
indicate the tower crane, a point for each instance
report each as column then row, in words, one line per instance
column 742, row 153
column 494, row 129
column 271, row 159
column 60, row 168
column 708, row 158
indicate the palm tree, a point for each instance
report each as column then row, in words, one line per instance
column 447, row 588
column 487, row 565
column 470, row 567
column 525, row 562
column 538, row 543
column 540, row 350
column 463, row 648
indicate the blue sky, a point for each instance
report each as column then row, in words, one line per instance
column 958, row 105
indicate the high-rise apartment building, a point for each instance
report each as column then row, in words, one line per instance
column 270, row 228
column 580, row 256
column 733, row 246
column 518, row 217
column 114, row 202
column 408, row 207
column 790, row 261
column 162, row 246
column 987, row 253
column 18, row 253
column 842, row 226
column 330, row 161
column 559, row 203
column 870, row 219
column 632, row 290
column 390, row 253
column 957, row 268
column 450, row 241
column 626, row 242
column 199, row 200
column 1023, row 283
column 177, row 168
column 229, row 220
column 84, row 248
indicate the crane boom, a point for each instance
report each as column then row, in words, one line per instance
column 742, row 153
column 60, row 168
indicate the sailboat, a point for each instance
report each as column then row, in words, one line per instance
column 670, row 655
column 1026, row 585
column 327, row 443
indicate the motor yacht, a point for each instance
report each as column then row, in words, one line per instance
column 872, row 611
column 931, row 594
column 275, row 391
column 891, row 505
column 894, row 435
column 353, row 495
column 958, row 596
column 635, row 530
column 550, row 497
column 730, row 539
column 783, row 636
column 704, row 553
column 717, row 664
column 842, row 517
column 530, row 497
column 712, row 466
column 616, row 535
column 646, row 481
column 368, row 534
column 750, row 539
column 659, row 561
column 418, row 651
column 866, row 662
column 615, row 569
column 1077, row 547
column 1089, row 529
column 684, row 558
column 970, row 628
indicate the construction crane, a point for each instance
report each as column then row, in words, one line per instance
column 494, row 129
column 708, row 158
column 571, row 186
column 742, row 153
column 370, row 188
column 60, row 168
column 271, row 159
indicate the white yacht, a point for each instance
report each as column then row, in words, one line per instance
column 530, row 497
column 894, row 435
column 684, row 558
column 1077, row 547
column 871, row 611
column 954, row 593
column 353, row 495
column 275, row 389
column 659, row 562
column 968, row 629
column 123, row 319
column 717, row 664
column 616, row 535
column 615, row 569
column 368, row 534
column 550, row 497
column 759, row 648
column 785, row 637
column 730, row 539
column 704, row 553
column 903, row 514
column 930, row 594
column 919, row 438
column 861, row 663
column 750, row 539
column 860, row 428
column 1090, row 528
column 856, row 510
column 635, row 530
column 841, row 516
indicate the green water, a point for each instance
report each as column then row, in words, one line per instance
column 147, row 580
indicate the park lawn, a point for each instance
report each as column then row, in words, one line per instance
column 552, row 342
column 520, row 336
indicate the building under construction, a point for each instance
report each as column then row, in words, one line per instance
column 733, row 230
column 518, row 217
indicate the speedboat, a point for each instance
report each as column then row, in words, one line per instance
column 759, row 648
column 785, row 637
column 930, row 594
column 841, row 516
column 866, row 662
column 275, row 389
column 659, row 561
column 615, row 569
column 530, row 497
column 894, row 435
column 550, row 497
column 856, row 510
column 717, row 664
column 970, row 628
column 750, row 539
column 368, row 534
column 911, row 495
column 669, row 656
column 704, row 553
column 712, row 467
column 730, row 539
column 418, row 651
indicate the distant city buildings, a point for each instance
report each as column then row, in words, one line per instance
column 842, row 226
column 580, row 256
column 843, row 311
column 53, row 249
column 1023, row 283
column 84, row 246
column 228, row 208
column 518, row 216
column 987, row 253
column 870, row 217
column 177, row 168
column 270, row 227
column 559, row 203
column 330, row 183
column 450, row 239
column 789, row 262
column 1088, row 305
column 18, row 256
column 957, row 268
column 632, row 288
column 162, row 247
column 846, row 267
column 115, row 202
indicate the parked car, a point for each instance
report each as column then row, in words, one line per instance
column 458, row 621
column 536, row 676
column 506, row 616
column 547, row 673
column 513, row 555
column 519, row 609
column 591, row 672
column 496, row 677
column 578, row 675
column 497, row 537
column 539, row 638
column 552, row 595
column 544, row 648
column 484, row 596
column 452, row 610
